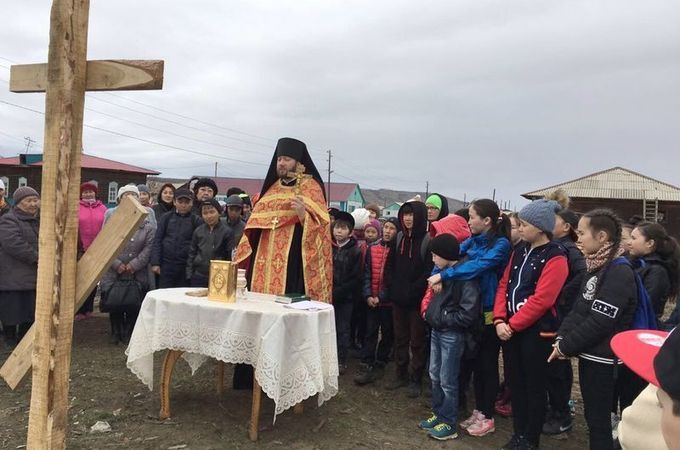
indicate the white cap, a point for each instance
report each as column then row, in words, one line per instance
column 128, row 188
column 2, row 185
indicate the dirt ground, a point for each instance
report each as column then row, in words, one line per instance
column 103, row 389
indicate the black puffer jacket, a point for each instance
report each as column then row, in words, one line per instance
column 173, row 238
column 654, row 275
column 455, row 307
column 347, row 273
column 410, row 264
column 18, row 251
column 603, row 309
column 572, row 287
column 207, row 244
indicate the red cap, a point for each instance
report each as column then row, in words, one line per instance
column 637, row 349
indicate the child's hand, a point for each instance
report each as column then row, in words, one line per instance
column 437, row 288
column 156, row 269
column 556, row 353
column 434, row 280
column 504, row 331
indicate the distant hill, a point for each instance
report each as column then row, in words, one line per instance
column 385, row 197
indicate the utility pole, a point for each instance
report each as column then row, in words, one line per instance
column 328, row 183
column 29, row 143
column 494, row 195
column 427, row 189
column 215, row 168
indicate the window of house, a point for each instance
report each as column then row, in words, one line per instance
column 113, row 191
column 23, row 182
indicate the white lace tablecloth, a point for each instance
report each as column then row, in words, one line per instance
column 294, row 353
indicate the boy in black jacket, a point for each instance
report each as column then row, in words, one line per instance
column 347, row 280
column 449, row 313
column 407, row 270
column 172, row 241
column 212, row 240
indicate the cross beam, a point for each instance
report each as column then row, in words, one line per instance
column 65, row 81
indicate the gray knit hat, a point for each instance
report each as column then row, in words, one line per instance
column 23, row 192
column 143, row 188
column 541, row 214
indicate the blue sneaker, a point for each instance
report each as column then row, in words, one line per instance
column 430, row 423
column 443, row 432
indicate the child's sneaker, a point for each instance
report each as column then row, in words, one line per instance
column 470, row 420
column 430, row 423
column 443, row 432
column 482, row 427
column 504, row 409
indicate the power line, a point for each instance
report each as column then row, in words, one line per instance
column 148, row 141
column 174, row 122
column 191, row 118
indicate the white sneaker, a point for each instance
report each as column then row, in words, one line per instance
column 476, row 415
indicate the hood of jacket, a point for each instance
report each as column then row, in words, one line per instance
column 453, row 224
column 419, row 219
column 445, row 206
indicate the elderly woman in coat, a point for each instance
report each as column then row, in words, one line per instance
column 131, row 263
column 19, row 264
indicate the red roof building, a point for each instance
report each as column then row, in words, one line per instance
column 26, row 170
column 344, row 196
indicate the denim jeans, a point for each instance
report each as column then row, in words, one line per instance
column 446, row 350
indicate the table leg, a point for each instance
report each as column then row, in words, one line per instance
column 299, row 408
column 171, row 358
column 219, row 378
column 255, row 412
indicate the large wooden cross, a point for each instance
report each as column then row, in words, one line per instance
column 65, row 78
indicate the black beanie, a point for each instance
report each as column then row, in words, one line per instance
column 214, row 203
column 445, row 246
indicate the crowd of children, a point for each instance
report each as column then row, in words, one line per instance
column 542, row 285
column 438, row 294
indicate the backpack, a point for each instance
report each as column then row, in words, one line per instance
column 644, row 318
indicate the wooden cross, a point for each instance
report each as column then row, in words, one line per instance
column 65, row 78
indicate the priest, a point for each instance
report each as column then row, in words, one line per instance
column 286, row 245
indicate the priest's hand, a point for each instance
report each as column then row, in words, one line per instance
column 298, row 205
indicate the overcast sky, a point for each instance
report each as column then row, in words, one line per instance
column 470, row 95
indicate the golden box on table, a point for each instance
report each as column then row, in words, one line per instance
column 222, row 281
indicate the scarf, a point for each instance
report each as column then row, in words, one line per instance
column 598, row 259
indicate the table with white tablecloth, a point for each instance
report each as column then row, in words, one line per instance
column 293, row 352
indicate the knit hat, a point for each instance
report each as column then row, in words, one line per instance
column 23, row 192
column 205, row 182
column 184, row 193
column 361, row 218
column 143, row 188
column 89, row 186
column 127, row 188
column 212, row 202
column 394, row 221
column 234, row 200
column 374, row 223
column 445, row 246
column 541, row 214
column 435, row 201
